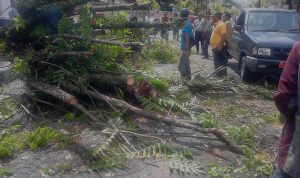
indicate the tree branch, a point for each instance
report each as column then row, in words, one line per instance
column 132, row 25
column 134, row 6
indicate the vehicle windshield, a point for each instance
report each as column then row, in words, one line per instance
column 273, row 21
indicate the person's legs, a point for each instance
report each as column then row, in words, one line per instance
column 220, row 60
column 184, row 67
column 280, row 174
column 198, row 38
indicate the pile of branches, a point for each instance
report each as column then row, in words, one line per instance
column 66, row 61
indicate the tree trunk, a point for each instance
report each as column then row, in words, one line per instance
column 221, row 135
column 64, row 96
column 134, row 45
column 79, row 54
column 133, row 25
column 133, row 6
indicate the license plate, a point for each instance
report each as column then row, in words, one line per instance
column 282, row 64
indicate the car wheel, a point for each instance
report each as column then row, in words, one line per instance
column 245, row 74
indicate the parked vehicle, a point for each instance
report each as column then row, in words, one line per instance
column 262, row 40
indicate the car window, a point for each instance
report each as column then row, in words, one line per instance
column 272, row 21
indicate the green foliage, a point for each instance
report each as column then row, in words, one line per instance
column 159, row 85
column 65, row 26
column 184, row 167
column 57, row 169
column 41, row 137
column 8, row 108
column 157, row 150
column 131, row 125
column 20, row 66
column 174, row 106
column 40, row 32
column 10, row 144
column 216, row 171
column 242, row 134
column 100, row 151
column 5, row 172
column 269, row 118
column 257, row 162
column 162, row 53
column 149, row 105
column 184, row 154
column 19, row 22
column 207, row 120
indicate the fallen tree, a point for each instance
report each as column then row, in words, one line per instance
column 134, row 6
column 132, row 25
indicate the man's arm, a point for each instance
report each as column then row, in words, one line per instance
column 286, row 96
column 223, row 32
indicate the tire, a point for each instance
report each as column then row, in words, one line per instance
column 246, row 75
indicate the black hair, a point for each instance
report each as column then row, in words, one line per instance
column 227, row 15
column 218, row 14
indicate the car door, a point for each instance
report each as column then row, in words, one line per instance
column 237, row 36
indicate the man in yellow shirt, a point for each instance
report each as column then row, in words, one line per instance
column 217, row 42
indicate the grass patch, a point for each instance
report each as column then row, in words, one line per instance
column 232, row 111
column 45, row 135
column 242, row 134
column 57, row 169
column 9, row 145
column 207, row 120
column 269, row 118
column 257, row 162
column 162, row 53
column 4, row 172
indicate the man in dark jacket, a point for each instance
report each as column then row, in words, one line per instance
column 287, row 101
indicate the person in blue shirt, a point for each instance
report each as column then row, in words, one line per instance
column 187, row 34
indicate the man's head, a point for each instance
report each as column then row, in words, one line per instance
column 227, row 16
column 217, row 16
column 184, row 13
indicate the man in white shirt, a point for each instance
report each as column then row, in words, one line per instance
column 198, row 32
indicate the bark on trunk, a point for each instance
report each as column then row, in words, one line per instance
column 64, row 96
column 133, row 25
column 134, row 45
column 133, row 6
column 83, row 54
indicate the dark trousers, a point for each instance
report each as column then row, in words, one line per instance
column 280, row 174
column 198, row 38
column 220, row 60
column 184, row 67
column 205, row 43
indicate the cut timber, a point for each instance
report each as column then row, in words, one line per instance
column 133, row 6
column 134, row 45
column 83, row 54
column 64, row 96
column 132, row 25
column 221, row 135
column 62, row 5
column 127, row 82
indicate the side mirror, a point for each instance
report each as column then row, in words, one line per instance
column 238, row 28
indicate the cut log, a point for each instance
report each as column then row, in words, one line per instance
column 125, row 81
column 79, row 54
column 64, row 96
column 134, row 6
column 134, row 45
column 220, row 134
column 133, row 25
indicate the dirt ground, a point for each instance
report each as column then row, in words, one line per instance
column 29, row 163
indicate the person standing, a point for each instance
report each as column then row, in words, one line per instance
column 217, row 41
column 187, row 33
column 175, row 25
column 165, row 30
column 198, row 32
column 207, row 29
column 287, row 100
column 229, row 30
